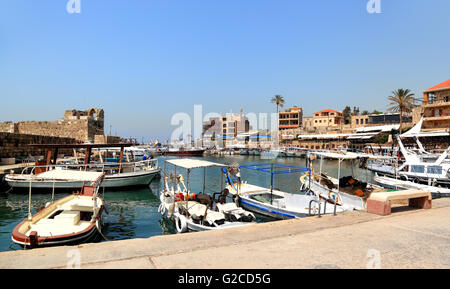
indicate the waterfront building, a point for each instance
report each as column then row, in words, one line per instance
column 228, row 129
column 328, row 119
column 436, row 107
column 290, row 119
column 384, row 119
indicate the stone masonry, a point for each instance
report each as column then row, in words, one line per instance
column 80, row 125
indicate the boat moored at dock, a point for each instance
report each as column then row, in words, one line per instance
column 271, row 202
column 198, row 212
column 73, row 219
column 120, row 174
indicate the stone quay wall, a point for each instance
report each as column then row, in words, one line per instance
column 14, row 145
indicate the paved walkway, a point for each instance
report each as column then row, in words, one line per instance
column 405, row 239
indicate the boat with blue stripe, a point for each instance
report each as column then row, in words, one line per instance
column 272, row 202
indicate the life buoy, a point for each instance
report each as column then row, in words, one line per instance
column 181, row 224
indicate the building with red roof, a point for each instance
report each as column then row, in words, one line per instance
column 328, row 119
column 436, row 107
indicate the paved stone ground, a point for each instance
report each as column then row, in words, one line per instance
column 405, row 239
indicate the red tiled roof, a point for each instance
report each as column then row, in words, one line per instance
column 327, row 110
column 445, row 84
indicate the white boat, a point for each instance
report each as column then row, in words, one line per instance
column 117, row 174
column 349, row 191
column 274, row 203
column 198, row 212
column 419, row 165
column 71, row 220
column 417, row 168
column 392, row 183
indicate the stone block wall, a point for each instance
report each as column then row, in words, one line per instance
column 8, row 127
column 17, row 145
column 80, row 125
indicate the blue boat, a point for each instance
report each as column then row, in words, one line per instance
column 273, row 203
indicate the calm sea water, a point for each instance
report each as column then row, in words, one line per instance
column 134, row 213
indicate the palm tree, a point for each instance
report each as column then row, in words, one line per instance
column 402, row 100
column 278, row 100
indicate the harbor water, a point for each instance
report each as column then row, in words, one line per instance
column 134, row 213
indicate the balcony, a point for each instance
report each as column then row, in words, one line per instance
column 436, row 103
column 436, row 118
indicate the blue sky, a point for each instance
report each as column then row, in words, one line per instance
column 143, row 61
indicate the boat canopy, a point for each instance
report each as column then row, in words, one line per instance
column 193, row 164
column 69, row 175
column 348, row 155
column 275, row 169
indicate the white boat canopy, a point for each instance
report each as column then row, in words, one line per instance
column 193, row 164
column 348, row 155
column 381, row 128
column 69, row 175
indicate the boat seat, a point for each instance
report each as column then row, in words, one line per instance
column 380, row 202
column 215, row 217
column 235, row 213
column 69, row 216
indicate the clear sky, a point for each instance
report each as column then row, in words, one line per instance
column 144, row 60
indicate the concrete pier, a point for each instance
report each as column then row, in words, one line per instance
column 405, row 239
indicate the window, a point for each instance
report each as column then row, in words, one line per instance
column 357, row 121
column 434, row 170
column 418, row 169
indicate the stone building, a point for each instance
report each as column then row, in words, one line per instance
column 436, row 107
column 226, row 129
column 80, row 125
column 290, row 119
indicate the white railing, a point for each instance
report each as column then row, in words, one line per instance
column 107, row 167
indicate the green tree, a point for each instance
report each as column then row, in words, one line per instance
column 347, row 113
column 402, row 100
column 278, row 100
column 365, row 112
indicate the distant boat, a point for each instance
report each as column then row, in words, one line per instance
column 184, row 152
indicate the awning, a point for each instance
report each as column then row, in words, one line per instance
column 193, row 164
column 382, row 128
column 69, row 175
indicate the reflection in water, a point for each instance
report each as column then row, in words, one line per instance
column 134, row 213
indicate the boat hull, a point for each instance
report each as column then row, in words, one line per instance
column 268, row 210
column 185, row 153
column 135, row 179
column 91, row 233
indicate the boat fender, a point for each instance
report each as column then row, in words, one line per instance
column 236, row 200
column 333, row 196
column 162, row 209
column 170, row 211
column 47, row 204
column 181, row 224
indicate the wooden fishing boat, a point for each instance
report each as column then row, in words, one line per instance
column 118, row 174
column 74, row 219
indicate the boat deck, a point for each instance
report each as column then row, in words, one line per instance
column 64, row 219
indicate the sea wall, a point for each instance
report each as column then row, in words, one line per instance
column 14, row 145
